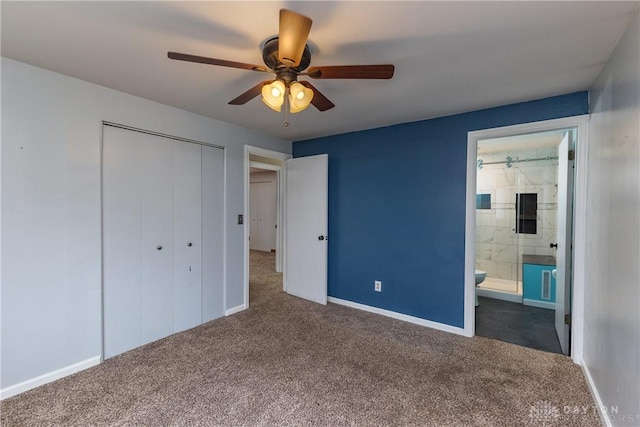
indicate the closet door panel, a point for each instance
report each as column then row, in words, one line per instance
column 254, row 241
column 187, row 272
column 267, row 215
column 121, row 241
column 212, row 233
column 156, row 226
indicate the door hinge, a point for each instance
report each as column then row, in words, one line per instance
column 572, row 154
column 567, row 319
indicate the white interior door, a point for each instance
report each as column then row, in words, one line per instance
column 187, row 232
column 564, row 237
column 306, row 231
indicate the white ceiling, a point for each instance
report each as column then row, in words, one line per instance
column 450, row 57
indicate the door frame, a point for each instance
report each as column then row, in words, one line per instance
column 281, row 218
column 579, row 224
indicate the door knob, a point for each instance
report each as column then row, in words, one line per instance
column 553, row 245
column 159, row 248
column 320, row 237
column 189, row 244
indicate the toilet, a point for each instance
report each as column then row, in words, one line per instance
column 480, row 276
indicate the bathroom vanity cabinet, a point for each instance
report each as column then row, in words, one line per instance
column 538, row 283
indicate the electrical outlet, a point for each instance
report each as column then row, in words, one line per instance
column 377, row 286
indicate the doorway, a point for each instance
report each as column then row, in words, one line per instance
column 511, row 208
column 302, row 219
column 263, row 226
column 520, row 191
column 264, row 212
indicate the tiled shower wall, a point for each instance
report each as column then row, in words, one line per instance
column 499, row 249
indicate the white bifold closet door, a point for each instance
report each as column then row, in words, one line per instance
column 263, row 210
column 212, row 232
column 121, row 239
column 162, row 237
column 254, row 239
column 187, row 232
column 267, row 215
column 155, row 165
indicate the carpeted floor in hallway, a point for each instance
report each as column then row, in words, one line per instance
column 287, row 361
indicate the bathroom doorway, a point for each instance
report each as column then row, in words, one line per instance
column 522, row 239
column 517, row 220
column 516, row 212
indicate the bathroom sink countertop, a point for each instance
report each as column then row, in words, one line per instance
column 539, row 259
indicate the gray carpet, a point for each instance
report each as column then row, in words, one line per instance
column 286, row 361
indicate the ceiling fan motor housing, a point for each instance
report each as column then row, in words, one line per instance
column 270, row 57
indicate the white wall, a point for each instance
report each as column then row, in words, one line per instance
column 499, row 248
column 612, row 293
column 51, row 238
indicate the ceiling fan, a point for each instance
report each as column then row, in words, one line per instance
column 288, row 56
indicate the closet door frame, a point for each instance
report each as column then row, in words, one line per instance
column 105, row 123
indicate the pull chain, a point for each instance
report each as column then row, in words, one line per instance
column 286, row 108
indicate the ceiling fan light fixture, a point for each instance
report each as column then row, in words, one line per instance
column 273, row 94
column 299, row 97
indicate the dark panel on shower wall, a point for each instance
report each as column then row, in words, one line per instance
column 526, row 213
column 397, row 203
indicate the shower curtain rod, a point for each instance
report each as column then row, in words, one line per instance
column 509, row 161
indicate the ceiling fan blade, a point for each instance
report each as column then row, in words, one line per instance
column 250, row 94
column 384, row 71
column 319, row 101
column 292, row 38
column 214, row 61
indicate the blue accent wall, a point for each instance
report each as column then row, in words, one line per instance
column 397, row 207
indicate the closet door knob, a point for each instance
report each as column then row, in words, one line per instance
column 159, row 248
column 189, row 244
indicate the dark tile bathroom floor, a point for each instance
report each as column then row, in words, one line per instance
column 519, row 324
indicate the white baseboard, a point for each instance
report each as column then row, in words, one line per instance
column 405, row 317
column 539, row 304
column 596, row 396
column 235, row 310
column 48, row 377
